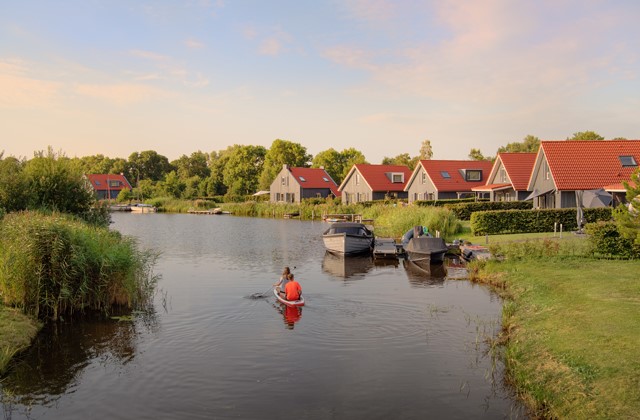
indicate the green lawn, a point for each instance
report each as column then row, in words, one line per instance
column 574, row 335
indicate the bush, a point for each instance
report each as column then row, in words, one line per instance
column 464, row 210
column 607, row 241
column 528, row 221
column 446, row 202
column 53, row 265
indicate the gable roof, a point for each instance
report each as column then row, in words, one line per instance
column 314, row 178
column 455, row 169
column 376, row 176
column 587, row 165
column 518, row 166
column 99, row 182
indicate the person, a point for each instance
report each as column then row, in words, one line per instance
column 282, row 282
column 292, row 290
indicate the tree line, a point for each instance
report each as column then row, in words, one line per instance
column 238, row 170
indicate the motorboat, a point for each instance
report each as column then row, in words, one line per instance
column 348, row 238
column 422, row 248
column 143, row 208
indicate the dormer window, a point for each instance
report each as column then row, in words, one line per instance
column 627, row 161
column 445, row 174
column 473, row 175
column 397, row 177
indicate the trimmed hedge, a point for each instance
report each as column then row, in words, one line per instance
column 529, row 221
column 463, row 211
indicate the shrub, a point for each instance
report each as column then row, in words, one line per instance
column 464, row 210
column 607, row 241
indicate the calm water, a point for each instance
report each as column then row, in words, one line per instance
column 375, row 341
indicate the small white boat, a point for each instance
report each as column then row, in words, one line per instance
column 143, row 208
column 281, row 299
column 348, row 238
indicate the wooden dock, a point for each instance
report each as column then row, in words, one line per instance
column 209, row 211
column 387, row 248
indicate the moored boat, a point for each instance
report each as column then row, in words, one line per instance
column 421, row 247
column 299, row 302
column 348, row 238
column 143, row 208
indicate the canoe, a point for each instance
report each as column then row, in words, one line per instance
column 299, row 302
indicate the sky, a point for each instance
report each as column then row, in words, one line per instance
column 114, row 77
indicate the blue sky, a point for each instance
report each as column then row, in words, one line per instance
column 114, row 77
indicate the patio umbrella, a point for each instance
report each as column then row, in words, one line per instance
column 579, row 213
column 596, row 198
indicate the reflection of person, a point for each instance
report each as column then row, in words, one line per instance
column 282, row 282
column 292, row 290
column 292, row 315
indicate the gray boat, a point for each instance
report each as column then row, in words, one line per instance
column 422, row 248
column 348, row 238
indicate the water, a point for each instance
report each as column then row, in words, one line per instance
column 375, row 340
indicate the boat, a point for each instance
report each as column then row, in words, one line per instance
column 299, row 302
column 143, row 208
column 422, row 248
column 348, row 238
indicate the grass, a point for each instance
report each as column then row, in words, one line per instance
column 572, row 334
column 16, row 333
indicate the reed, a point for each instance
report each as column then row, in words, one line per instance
column 54, row 265
column 394, row 221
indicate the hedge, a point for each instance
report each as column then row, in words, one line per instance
column 528, row 221
column 463, row 211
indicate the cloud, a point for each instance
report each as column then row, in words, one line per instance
column 20, row 90
column 120, row 94
column 193, row 44
column 276, row 43
column 148, row 55
column 375, row 11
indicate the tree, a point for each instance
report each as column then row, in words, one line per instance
column 13, row 184
column 149, row 165
column 402, row 159
column 172, row 185
column 96, row 164
column 349, row 158
column 195, row 165
column 476, row 154
column 282, row 152
column 426, row 151
column 217, row 161
column 242, row 171
column 330, row 160
column 529, row 144
column 56, row 183
column 586, row 135
column 628, row 218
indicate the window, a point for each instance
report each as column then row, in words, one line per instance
column 357, row 179
column 97, row 182
column 545, row 170
column 627, row 161
column 397, row 178
column 325, row 179
column 113, row 183
column 424, row 177
column 473, row 175
column 445, row 174
column 284, row 180
column 503, row 175
column 302, row 179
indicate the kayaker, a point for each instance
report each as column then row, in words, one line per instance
column 282, row 282
column 292, row 290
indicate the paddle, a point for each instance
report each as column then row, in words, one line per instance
column 261, row 295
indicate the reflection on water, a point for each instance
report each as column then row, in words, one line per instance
column 346, row 266
column 290, row 314
column 384, row 347
column 425, row 274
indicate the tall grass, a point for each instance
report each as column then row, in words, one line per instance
column 394, row 221
column 54, row 265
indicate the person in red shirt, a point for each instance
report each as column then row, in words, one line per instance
column 292, row 290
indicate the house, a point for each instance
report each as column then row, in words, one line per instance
column 291, row 185
column 509, row 177
column 564, row 167
column 366, row 182
column 446, row 179
column 108, row 186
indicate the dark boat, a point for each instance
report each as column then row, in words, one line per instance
column 348, row 238
column 422, row 248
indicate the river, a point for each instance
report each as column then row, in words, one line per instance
column 374, row 341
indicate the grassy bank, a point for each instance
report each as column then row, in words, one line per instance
column 16, row 333
column 572, row 333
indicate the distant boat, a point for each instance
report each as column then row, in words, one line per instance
column 143, row 208
column 348, row 238
column 422, row 248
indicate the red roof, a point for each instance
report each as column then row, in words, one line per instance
column 519, row 167
column 315, row 178
column 587, row 165
column 448, row 175
column 108, row 182
column 378, row 177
